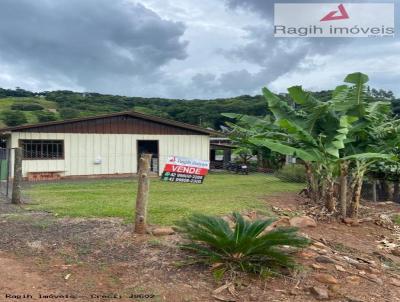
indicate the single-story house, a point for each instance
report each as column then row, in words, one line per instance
column 107, row 145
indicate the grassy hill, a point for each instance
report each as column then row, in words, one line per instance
column 7, row 103
column 66, row 104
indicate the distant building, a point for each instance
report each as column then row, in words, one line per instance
column 101, row 146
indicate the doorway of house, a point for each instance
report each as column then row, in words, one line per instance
column 148, row 146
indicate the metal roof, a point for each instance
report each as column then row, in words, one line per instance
column 134, row 114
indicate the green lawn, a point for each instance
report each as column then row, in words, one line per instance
column 219, row 194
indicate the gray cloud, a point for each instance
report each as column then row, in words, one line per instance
column 122, row 47
column 276, row 57
column 87, row 42
column 273, row 57
column 266, row 8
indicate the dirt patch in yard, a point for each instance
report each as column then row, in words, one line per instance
column 362, row 237
column 97, row 259
column 365, row 241
column 17, row 278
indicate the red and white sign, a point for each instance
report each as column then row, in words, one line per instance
column 185, row 169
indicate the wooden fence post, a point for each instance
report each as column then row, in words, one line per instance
column 142, row 194
column 16, row 191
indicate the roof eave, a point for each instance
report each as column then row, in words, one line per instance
column 129, row 113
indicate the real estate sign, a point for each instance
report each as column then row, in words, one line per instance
column 332, row 20
column 185, row 170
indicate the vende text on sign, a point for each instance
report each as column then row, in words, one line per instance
column 185, row 169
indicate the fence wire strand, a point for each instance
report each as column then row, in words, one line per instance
column 5, row 172
column 372, row 190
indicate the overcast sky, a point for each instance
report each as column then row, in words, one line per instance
column 176, row 49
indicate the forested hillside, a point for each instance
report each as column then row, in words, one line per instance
column 20, row 106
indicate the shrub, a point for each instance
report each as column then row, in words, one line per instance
column 68, row 113
column 292, row 173
column 45, row 116
column 27, row 107
column 13, row 118
column 245, row 248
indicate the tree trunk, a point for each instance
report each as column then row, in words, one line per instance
column 330, row 200
column 16, row 191
column 379, row 191
column 322, row 189
column 355, row 205
column 350, row 188
column 142, row 194
column 374, row 197
column 385, row 190
column 391, row 191
column 396, row 191
column 310, row 182
column 259, row 161
column 343, row 188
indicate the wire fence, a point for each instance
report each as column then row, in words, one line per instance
column 290, row 173
column 40, row 172
column 76, row 166
column 373, row 189
column 376, row 190
column 5, row 172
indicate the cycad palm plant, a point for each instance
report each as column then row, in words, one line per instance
column 246, row 247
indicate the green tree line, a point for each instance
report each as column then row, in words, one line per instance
column 205, row 113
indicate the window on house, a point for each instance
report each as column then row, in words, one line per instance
column 3, row 143
column 43, row 149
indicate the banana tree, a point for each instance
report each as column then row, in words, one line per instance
column 312, row 133
column 328, row 130
column 368, row 137
column 244, row 128
column 321, row 153
column 346, row 134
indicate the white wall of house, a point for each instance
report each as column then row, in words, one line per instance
column 117, row 152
